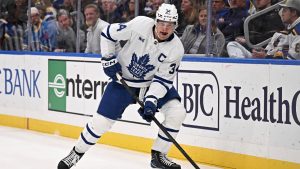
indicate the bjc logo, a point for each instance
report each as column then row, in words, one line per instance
column 200, row 94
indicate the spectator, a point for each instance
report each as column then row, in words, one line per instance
column 42, row 10
column 84, row 3
column 151, row 10
column 95, row 25
column 148, row 7
column 108, row 8
column 38, row 3
column 65, row 4
column 57, row 4
column 263, row 27
column 284, row 44
column 82, row 33
column 81, row 15
column 13, row 20
column 7, row 8
column 12, row 38
column 71, row 7
column 260, row 28
column 49, row 3
column 66, row 36
column 128, row 12
column 194, row 36
column 156, row 4
column 262, row 4
column 3, row 24
column 20, row 13
column 232, row 23
column 189, row 15
column 259, row 53
column 38, row 34
column 220, row 9
column 291, row 16
column 49, row 26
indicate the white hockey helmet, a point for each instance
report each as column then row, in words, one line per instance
column 168, row 13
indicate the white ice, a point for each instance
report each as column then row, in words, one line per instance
column 25, row 149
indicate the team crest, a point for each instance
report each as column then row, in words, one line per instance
column 139, row 67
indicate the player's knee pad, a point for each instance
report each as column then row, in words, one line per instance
column 100, row 124
column 175, row 114
column 92, row 132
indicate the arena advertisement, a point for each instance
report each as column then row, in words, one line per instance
column 201, row 98
column 248, row 106
column 75, row 86
column 21, row 84
column 255, row 107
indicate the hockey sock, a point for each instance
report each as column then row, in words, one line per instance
column 162, row 142
column 92, row 132
column 175, row 114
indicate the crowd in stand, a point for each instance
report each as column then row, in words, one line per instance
column 54, row 27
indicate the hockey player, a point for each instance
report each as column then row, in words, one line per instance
column 148, row 63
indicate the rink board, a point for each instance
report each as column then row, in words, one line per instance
column 241, row 113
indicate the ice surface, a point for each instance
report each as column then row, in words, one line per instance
column 25, row 149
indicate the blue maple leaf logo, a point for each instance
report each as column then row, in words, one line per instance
column 139, row 67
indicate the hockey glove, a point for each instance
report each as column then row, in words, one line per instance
column 150, row 108
column 111, row 66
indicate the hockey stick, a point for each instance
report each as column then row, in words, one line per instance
column 119, row 77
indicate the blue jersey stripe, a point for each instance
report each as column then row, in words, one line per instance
column 162, row 79
column 103, row 35
column 136, row 81
column 151, row 96
column 107, row 35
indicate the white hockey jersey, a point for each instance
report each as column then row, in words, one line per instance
column 294, row 40
column 144, row 60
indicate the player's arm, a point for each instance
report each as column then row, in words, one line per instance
column 161, row 84
column 164, row 77
column 294, row 49
column 114, row 33
column 110, row 35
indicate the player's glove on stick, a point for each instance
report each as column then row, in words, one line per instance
column 150, row 108
column 111, row 66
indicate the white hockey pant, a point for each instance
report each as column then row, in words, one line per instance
column 174, row 113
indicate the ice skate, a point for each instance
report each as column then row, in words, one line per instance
column 70, row 160
column 159, row 160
